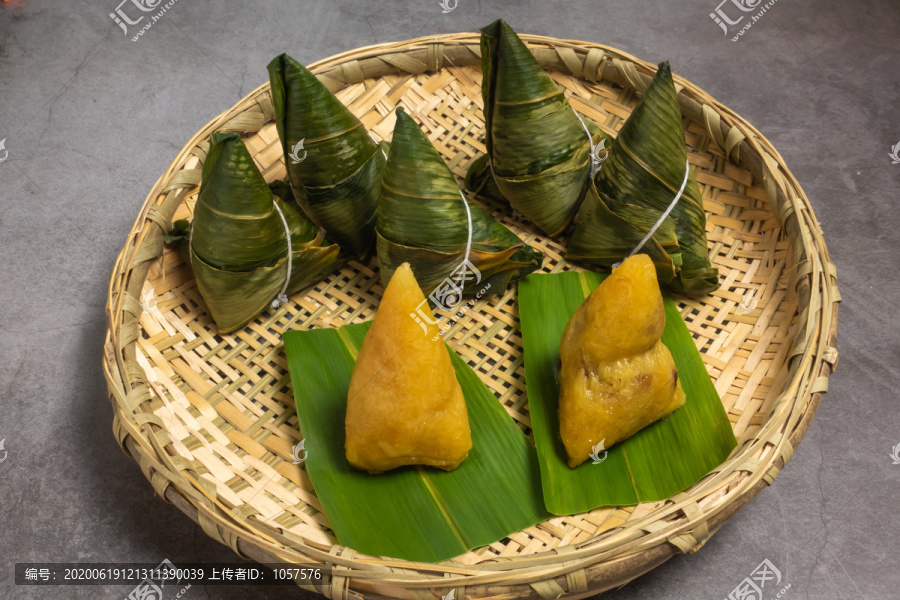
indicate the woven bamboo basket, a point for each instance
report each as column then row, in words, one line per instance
column 210, row 418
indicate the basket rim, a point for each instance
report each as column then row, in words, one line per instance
column 813, row 356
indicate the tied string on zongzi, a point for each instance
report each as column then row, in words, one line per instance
column 469, row 223
column 596, row 161
column 376, row 141
column 281, row 297
column 687, row 170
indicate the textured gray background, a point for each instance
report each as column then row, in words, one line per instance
column 92, row 119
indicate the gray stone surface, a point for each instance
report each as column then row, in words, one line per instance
column 91, row 120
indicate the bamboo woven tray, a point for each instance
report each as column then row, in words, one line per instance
column 210, row 418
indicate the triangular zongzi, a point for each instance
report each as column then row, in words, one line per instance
column 334, row 166
column 405, row 405
column 538, row 151
column 642, row 175
column 423, row 219
column 616, row 376
column 238, row 243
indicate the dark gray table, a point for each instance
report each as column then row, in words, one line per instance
column 91, row 119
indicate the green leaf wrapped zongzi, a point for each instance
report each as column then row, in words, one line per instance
column 238, row 245
column 424, row 220
column 539, row 154
column 333, row 165
column 645, row 171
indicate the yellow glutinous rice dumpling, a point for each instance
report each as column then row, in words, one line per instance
column 616, row 376
column 405, row 406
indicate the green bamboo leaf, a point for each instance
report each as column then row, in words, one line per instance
column 312, row 256
column 603, row 237
column 422, row 219
column 659, row 461
column 334, row 166
column 479, row 179
column 234, row 298
column 638, row 181
column 303, row 231
column 538, row 151
column 412, row 513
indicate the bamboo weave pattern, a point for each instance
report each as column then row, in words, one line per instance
column 210, row 418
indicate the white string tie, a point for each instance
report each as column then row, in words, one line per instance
column 469, row 221
column 379, row 145
column 282, row 298
column 687, row 170
column 596, row 159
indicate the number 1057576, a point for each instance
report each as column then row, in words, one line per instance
column 298, row 573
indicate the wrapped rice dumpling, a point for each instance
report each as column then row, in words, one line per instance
column 405, row 405
column 616, row 376
column 237, row 242
column 640, row 178
column 538, row 152
column 333, row 165
column 423, row 219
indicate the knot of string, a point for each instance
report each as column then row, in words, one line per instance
column 596, row 159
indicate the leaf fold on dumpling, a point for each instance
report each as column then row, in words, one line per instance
column 422, row 220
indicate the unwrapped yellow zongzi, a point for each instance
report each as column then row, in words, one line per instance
column 616, row 376
column 405, row 405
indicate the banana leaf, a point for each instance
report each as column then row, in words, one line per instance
column 422, row 220
column 333, row 165
column 413, row 513
column 656, row 463
column 237, row 245
column 639, row 179
column 538, row 153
